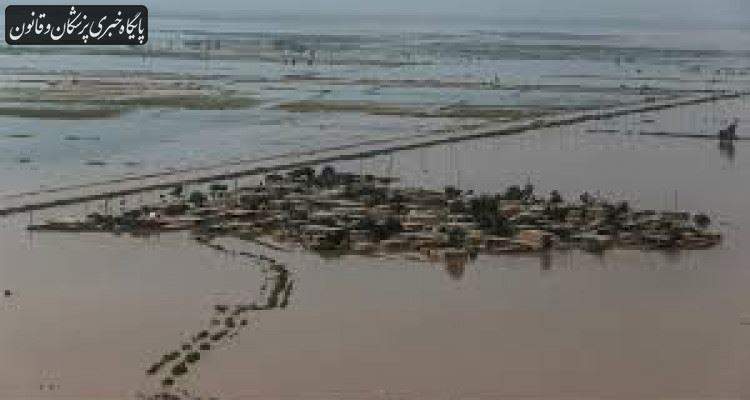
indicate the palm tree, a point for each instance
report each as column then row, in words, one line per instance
column 177, row 191
column 197, row 198
column 328, row 176
column 513, row 193
column 555, row 197
column 702, row 220
column 456, row 237
column 528, row 192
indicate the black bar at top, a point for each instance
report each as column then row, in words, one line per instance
column 76, row 25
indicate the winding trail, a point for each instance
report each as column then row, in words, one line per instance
column 226, row 323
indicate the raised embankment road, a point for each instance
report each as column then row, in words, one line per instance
column 67, row 195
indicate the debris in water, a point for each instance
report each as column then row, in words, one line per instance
column 171, row 356
column 221, row 308
column 602, row 130
column 73, row 138
column 217, row 336
column 95, row 163
column 193, row 357
column 179, row 369
column 154, row 369
column 201, row 335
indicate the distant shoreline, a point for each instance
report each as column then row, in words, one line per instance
column 426, row 16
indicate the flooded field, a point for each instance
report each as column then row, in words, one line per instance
column 89, row 314
column 207, row 90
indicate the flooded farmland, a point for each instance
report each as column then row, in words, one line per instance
column 89, row 314
column 566, row 323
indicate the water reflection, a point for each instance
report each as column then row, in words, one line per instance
column 545, row 261
column 456, row 260
column 672, row 257
column 456, row 270
column 727, row 149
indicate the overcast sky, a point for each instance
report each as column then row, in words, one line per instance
column 650, row 9
column 670, row 10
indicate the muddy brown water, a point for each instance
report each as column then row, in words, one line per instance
column 90, row 313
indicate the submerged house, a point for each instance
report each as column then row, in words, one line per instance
column 730, row 133
column 363, row 217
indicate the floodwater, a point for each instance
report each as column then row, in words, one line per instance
column 90, row 313
column 394, row 63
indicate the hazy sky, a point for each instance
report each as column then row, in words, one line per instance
column 650, row 9
column 681, row 10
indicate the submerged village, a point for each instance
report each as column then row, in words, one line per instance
column 345, row 213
